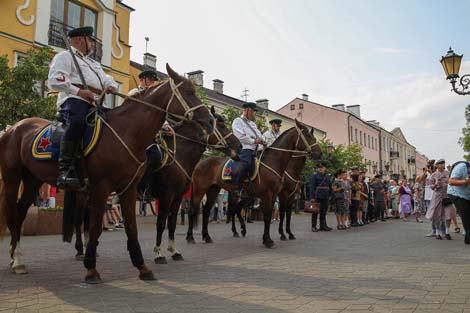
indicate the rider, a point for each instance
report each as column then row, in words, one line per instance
column 74, row 100
column 245, row 129
column 147, row 79
column 275, row 131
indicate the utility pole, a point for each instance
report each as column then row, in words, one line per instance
column 245, row 94
column 146, row 43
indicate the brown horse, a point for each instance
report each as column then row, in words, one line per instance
column 115, row 165
column 171, row 182
column 273, row 162
column 290, row 186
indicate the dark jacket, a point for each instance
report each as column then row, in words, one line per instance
column 323, row 181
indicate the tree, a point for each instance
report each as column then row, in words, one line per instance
column 22, row 88
column 464, row 141
column 230, row 113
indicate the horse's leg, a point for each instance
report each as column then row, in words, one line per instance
column 196, row 198
column 282, row 215
column 290, row 204
column 235, row 209
column 172, row 218
column 163, row 207
column 130, row 223
column 211, row 196
column 267, row 205
column 79, row 220
column 242, row 222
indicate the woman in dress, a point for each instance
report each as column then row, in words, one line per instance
column 439, row 208
column 404, row 200
column 418, row 198
column 394, row 198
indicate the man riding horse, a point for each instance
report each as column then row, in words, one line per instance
column 75, row 99
column 245, row 129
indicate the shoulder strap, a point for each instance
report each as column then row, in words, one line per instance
column 249, row 126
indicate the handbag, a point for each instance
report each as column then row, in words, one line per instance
column 313, row 206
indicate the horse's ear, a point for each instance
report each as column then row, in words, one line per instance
column 311, row 131
column 297, row 123
column 175, row 76
column 212, row 110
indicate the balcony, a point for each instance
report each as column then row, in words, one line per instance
column 411, row 160
column 394, row 154
column 55, row 39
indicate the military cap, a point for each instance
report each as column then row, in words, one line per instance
column 250, row 105
column 277, row 121
column 81, row 31
column 353, row 168
column 148, row 73
column 440, row 161
column 378, row 176
column 321, row 164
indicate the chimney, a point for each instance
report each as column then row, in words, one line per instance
column 150, row 60
column 304, row 97
column 262, row 104
column 338, row 106
column 197, row 77
column 218, row 85
column 374, row 122
column 354, row 109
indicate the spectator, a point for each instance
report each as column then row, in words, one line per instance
column 185, row 202
column 379, row 198
column 320, row 192
column 393, row 191
column 404, row 199
column 52, row 194
column 439, row 208
column 459, row 193
column 418, row 198
column 339, row 199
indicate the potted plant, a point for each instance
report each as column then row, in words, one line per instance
column 43, row 221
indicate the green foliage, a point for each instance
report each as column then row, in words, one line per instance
column 202, row 96
column 464, row 141
column 49, row 209
column 341, row 158
column 230, row 113
column 22, row 88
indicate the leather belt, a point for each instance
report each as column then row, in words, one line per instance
column 94, row 90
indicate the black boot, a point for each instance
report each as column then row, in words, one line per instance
column 67, row 175
column 314, row 223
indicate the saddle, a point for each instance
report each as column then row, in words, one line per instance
column 231, row 167
column 46, row 143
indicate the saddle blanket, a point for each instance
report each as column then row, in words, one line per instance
column 227, row 170
column 46, row 144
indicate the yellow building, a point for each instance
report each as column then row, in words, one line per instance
column 37, row 23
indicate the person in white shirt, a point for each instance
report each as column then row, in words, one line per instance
column 74, row 100
column 275, row 131
column 147, row 78
column 245, row 129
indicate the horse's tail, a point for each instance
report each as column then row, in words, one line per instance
column 68, row 220
column 3, row 209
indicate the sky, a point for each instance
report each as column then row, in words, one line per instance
column 382, row 55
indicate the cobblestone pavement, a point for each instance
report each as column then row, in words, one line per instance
column 383, row 267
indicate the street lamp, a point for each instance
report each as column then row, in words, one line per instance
column 451, row 65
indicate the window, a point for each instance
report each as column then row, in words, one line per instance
column 72, row 14
column 355, row 133
column 365, row 140
column 360, row 137
column 292, row 107
column 376, row 147
column 368, row 142
column 301, row 106
column 351, row 132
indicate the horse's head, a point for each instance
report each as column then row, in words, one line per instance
column 307, row 141
column 185, row 103
column 222, row 138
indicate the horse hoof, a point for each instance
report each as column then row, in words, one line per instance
column 147, row 276
column 160, row 260
column 19, row 270
column 243, row 233
column 191, row 240
column 208, row 239
column 79, row 257
column 177, row 257
column 292, row 237
column 236, row 235
column 269, row 244
column 283, row 237
column 93, row 280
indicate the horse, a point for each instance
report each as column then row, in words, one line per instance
column 115, row 165
column 290, row 186
column 171, row 182
column 273, row 162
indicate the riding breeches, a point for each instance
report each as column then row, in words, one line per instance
column 246, row 159
column 74, row 112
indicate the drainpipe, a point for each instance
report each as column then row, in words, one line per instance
column 349, row 129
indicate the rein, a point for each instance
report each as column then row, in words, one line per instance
column 297, row 183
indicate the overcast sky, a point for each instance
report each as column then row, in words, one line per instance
column 383, row 55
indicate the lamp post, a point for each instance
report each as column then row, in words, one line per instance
column 451, row 65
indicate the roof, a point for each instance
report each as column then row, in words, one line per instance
column 125, row 5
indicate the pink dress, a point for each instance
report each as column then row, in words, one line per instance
column 435, row 210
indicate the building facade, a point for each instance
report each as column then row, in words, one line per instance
column 26, row 24
column 343, row 125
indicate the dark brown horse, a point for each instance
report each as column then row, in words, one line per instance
column 207, row 177
column 171, row 182
column 115, row 165
column 290, row 186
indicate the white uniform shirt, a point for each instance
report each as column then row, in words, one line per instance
column 63, row 74
column 136, row 90
column 244, row 133
column 271, row 136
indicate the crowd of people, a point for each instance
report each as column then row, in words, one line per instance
column 358, row 200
